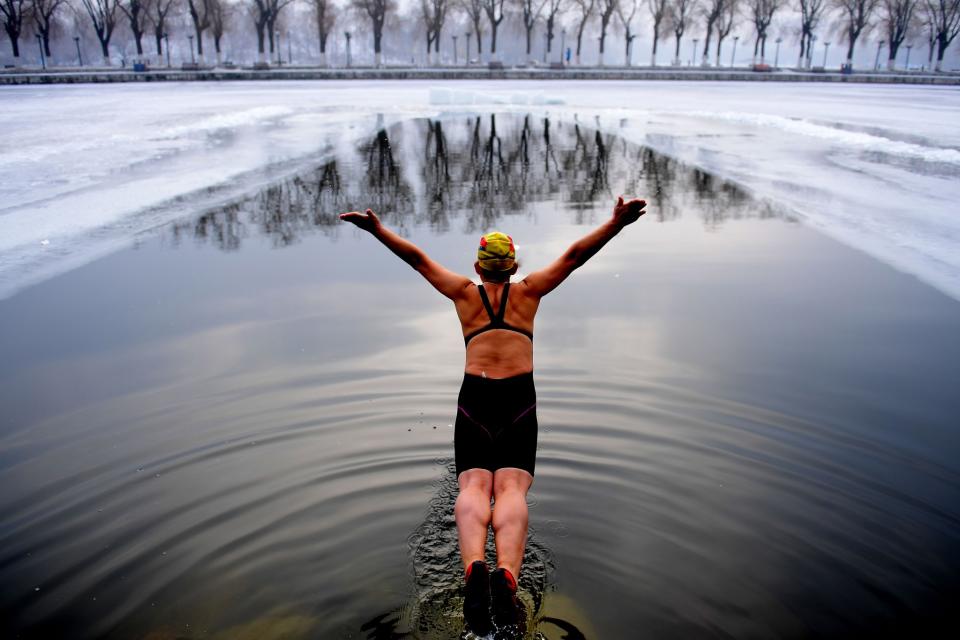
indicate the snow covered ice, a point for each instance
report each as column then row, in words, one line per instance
column 86, row 169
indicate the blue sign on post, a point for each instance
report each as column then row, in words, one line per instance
column 568, row 54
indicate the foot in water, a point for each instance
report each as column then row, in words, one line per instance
column 508, row 614
column 476, row 600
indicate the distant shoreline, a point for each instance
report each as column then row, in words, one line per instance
column 106, row 75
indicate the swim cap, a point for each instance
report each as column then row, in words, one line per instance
column 496, row 252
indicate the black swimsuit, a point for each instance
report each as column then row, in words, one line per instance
column 496, row 321
column 496, row 417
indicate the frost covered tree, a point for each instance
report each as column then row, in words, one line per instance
column 157, row 12
column 44, row 12
column 761, row 13
column 627, row 11
column 434, row 13
column 606, row 10
column 725, row 24
column 377, row 11
column 200, row 17
column 897, row 18
column 530, row 11
column 103, row 15
column 680, row 14
column 220, row 13
column 585, row 8
column 658, row 11
column 856, row 15
column 13, row 12
column 554, row 8
column 711, row 12
column 136, row 12
column 944, row 18
column 474, row 11
column 494, row 11
column 325, row 12
column 265, row 14
column 811, row 12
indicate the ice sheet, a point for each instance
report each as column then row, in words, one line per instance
column 86, row 169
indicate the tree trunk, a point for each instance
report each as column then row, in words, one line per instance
column 853, row 42
column 261, row 49
column 653, row 55
column 46, row 43
column 493, row 43
column 763, row 49
column 15, row 43
column 942, row 45
column 158, row 35
column 676, row 54
column 529, row 34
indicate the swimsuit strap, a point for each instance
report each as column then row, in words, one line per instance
column 503, row 303
column 486, row 303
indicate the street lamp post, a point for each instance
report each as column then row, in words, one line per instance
column 166, row 44
column 734, row 52
column 289, row 49
column 466, row 56
column 192, row 59
column 563, row 43
column 455, row 62
column 276, row 38
column 876, row 63
column 347, row 35
column 43, row 60
column 695, row 41
column 906, row 67
column 826, row 47
column 76, row 41
column 776, row 57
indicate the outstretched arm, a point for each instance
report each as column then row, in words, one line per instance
column 445, row 281
column 547, row 279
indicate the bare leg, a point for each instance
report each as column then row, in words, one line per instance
column 472, row 513
column 510, row 488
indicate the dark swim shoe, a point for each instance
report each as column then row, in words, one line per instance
column 476, row 599
column 508, row 613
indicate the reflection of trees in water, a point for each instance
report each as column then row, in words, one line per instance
column 479, row 169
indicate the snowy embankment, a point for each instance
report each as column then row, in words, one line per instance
column 85, row 170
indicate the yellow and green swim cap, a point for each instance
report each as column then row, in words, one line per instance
column 496, row 252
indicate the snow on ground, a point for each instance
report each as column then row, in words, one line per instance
column 86, row 169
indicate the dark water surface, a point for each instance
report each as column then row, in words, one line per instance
column 241, row 428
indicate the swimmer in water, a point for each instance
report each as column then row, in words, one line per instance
column 495, row 438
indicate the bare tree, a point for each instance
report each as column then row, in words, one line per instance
column 475, row 13
column 530, row 11
column 265, row 14
column 712, row 12
column 43, row 14
column 494, row 11
column 103, row 14
column 585, row 8
column 945, row 20
column 725, row 24
column 12, row 12
column 897, row 18
column 377, row 11
column 680, row 13
column 659, row 9
column 220, row 12
column 434, row 14
column 606, row 8
column 627, row 11
column 554, row 7
column 811, row 12
column 761, row 12
column 136, row 12
column 856, row 15
column 200, row 16
column 157, row 12
column 326, row 14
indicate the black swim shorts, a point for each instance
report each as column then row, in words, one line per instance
column 496, row 423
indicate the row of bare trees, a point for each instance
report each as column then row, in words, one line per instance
column 895, row 20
